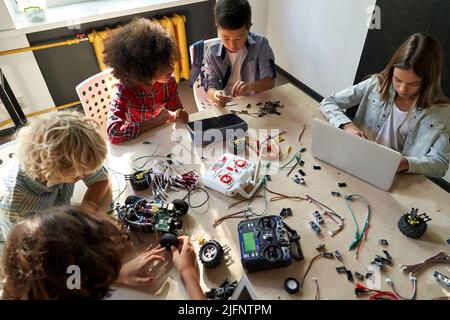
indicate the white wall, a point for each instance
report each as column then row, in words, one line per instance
column 24, row 76
column 319, row 42
column 6, row 22
column 260, row 14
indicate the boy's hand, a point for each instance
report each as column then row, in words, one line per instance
column 351, row 128
column 184, row 257
column 136, row 271
column 181, row 116
column 240, row 88
column 220, row 98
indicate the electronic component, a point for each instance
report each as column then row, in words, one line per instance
column 291, row 285
column 383, row 242
column 298, row 180
column 215, row 129
column 168, row 240
column 320, row 247
column 286, row 212
column 224, row 292
column 270, row 108
column 152, row 215
column 442, row 278
column 335, row 194
column 341, row 269
column 349, row 275
column 318, row 217
column 314, row 226
column 302, row 173
column 369, row 274
column 161, row 178
column 317, row 167
column 338, row 255
column 412, row 224
column 230, row 175
column 265, row 243
column 328, row 255
column 342, row 184
column 359, row 276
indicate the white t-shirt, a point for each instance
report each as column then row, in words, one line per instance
column 236, row 64
column 394, row 130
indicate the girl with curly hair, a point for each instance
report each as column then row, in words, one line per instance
column 141, row 55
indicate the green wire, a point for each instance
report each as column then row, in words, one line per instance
column 358, row 235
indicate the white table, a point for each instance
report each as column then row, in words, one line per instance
column 408, row 191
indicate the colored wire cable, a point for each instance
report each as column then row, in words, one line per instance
column 413, row 279
column 194, row 190
column 358, row 235
column 316, row 284
column 413, row 269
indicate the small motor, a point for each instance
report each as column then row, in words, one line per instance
column 412, row 224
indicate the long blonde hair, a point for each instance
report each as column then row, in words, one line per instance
column 423, row 54
column 58, row 143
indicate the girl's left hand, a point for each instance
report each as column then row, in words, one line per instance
column 403, row 166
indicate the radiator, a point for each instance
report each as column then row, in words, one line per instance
column 174, row 25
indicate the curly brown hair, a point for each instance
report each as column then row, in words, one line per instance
column 40, row 249
column 139, row 50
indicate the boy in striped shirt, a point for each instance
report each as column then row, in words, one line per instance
column 54, row 152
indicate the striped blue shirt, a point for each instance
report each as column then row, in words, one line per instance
column 19, row 193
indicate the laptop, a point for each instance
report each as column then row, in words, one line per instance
column 244, row 290
column 362, row 158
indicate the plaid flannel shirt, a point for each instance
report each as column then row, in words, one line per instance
column 132, row 105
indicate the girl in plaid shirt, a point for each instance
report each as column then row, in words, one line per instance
column 142, row 55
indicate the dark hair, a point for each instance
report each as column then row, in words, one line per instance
column 39, row 250
column 233, row 14
column 138, row 51
column 423, row 54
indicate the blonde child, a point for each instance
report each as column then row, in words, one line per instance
column 54, row 152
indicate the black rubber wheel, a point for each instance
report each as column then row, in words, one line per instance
column 138, row 181
column 291, row 285
column 211, row 254
column 167, row 240
column 181, row 206
column 412, row 231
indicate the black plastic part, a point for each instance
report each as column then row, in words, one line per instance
column 168, row 240
column 349, row 275
column 181, row 205
column 211, row 254
column 342, row 184
column 359, row 276
column 412, row 231
column 139, row 184
column 291, row 285
column 341, row 269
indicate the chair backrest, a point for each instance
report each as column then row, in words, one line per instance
column 201, row 97
column 7, row 151
column 95, row 95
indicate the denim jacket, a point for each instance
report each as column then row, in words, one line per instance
column 427, row 146
column 258, row 62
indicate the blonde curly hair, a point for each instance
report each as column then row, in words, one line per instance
column 60, row 143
